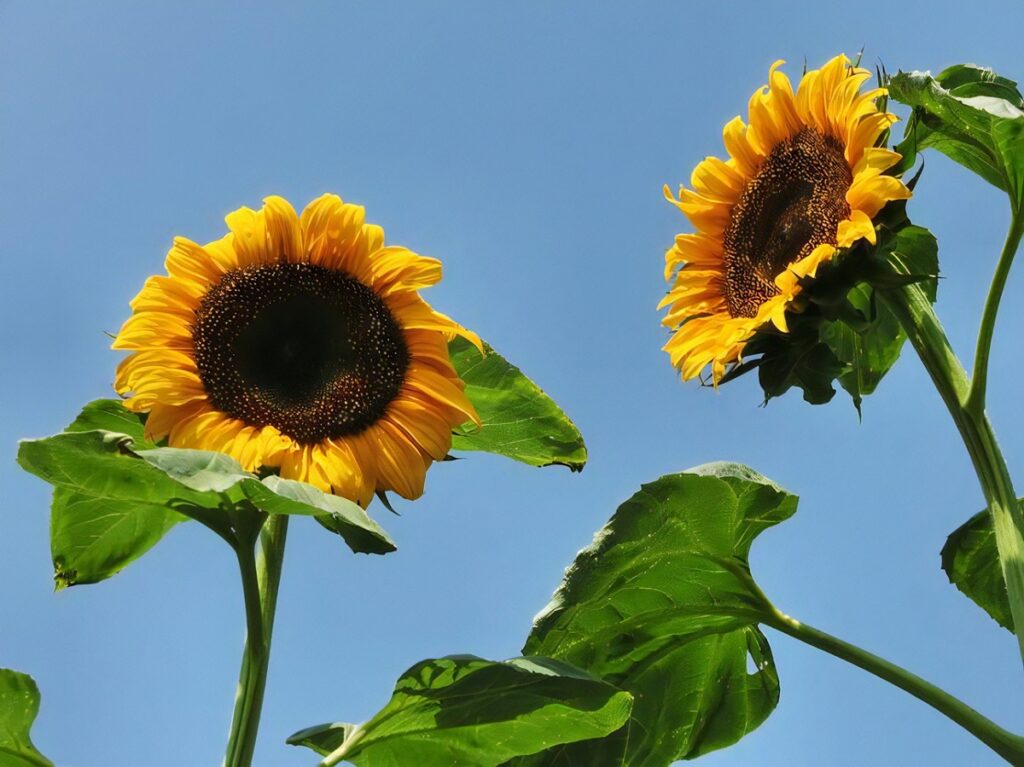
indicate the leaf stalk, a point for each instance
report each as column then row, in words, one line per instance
column 1009, row 746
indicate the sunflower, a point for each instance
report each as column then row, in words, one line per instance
column 299, row 344
column 804, row 179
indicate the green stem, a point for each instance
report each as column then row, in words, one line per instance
column 1009, row 746
column 979, row 380
column 261, row 576
column 915, row 313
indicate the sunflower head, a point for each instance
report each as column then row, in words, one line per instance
column 803, row 186
column 298, row 344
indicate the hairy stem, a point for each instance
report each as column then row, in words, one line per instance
column 261, row 575
column 1009, row 746
column 915, row 313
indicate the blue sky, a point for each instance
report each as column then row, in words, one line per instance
column 525, row 144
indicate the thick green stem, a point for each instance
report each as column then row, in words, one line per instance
column 979, row 380
column 915, row 313
column 261, row 576
column 1009, row 746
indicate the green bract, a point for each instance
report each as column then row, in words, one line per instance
column 464, row 711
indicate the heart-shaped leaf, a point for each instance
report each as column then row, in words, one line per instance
column 663, row 605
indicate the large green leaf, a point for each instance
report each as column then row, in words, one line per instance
column 92, row 537
column 463, row 711
column 115, row 495
column 663, row 605
column 971, row 115
column 19, row 705
column 519, row 420
column 971, row 561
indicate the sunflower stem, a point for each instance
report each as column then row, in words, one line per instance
column 915, row 313
column 261, row 575
column 975, row 403
column 1009, row 746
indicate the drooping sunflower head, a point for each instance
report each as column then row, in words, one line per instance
column 299, row 344
column 804, row 179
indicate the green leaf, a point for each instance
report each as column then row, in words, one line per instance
column 111, row 415
column 204, row 471
column 207, row 471
column 662, row 605
column 93, row 538
column 971, row 562
column 19, row 706
column 113, row 502
column 340, row 515
column 971, row 115
column 519, row 420
column 464, row 711
column 109, row 507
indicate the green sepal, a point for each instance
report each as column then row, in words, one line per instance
column 464, row 710
column 19, row 706
column 518, row 419
column 842, row 333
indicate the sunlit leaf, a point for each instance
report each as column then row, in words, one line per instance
column 463, row 711
column 971, row 115
column 519, row 420
column 114, row 497
column 19, row 706
column 662, row 604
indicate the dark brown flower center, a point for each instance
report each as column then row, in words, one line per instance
column 309, row 350
column 793, row 204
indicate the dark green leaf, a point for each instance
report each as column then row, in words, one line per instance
column 663, row 605
column 971, row 115
column 463, row 711
column 912, row 250
column 971, row 561
column 798, row 358
column 19, row 705
column 869, row 352
column 519, row 420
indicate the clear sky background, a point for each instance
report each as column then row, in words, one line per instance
column 525, row 144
